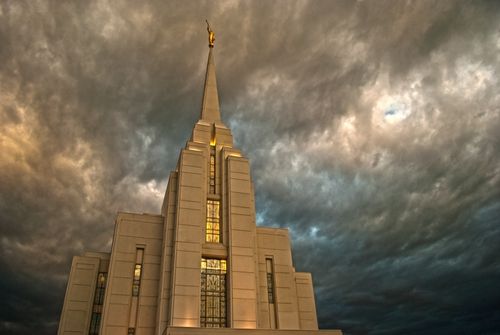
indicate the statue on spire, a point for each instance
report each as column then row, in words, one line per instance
column 211, row 36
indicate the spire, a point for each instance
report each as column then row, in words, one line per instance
column 210, row 104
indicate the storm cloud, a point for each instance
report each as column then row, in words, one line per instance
column 372, row 128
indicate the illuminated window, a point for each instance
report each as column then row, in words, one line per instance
column 213, row 221
column 137, row 279
column 137, row 272
column 212, row 169
column 95, row 320
column 136, row 287
column 100, row 287
column 213, row 293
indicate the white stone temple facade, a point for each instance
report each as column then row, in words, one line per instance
column 202, row 263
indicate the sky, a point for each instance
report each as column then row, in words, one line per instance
column 372, row 128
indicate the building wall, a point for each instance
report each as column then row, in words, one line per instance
column 295, row 306
column 306, row 301
column 242, row 244
column 77, row 306
column 121, row 311
column 79, row 299
column 275, row 244
column 190, row 213
column 169, row 210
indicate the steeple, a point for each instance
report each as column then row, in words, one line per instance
column 210, row 105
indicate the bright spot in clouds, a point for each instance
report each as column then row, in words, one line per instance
column 396, row 112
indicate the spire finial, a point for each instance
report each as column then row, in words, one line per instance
column 210, row 104
column 211, row 35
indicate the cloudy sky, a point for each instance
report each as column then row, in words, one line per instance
column 372, row 127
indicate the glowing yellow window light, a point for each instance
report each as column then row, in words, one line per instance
column 218, row 265
column 212, row 233
column 212, row 168
column 137, row 272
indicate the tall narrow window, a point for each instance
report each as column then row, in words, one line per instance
column 270, row 292
column 213, row 293
column 213, row 221
column 136, row 287
column 95, row 320
column 270, row 281
column 212, row 169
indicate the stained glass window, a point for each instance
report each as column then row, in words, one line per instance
column 270, row 280
column 95, row 320
column 213, row 222
column 212, row 169
column 137, row 280
column 213, row 293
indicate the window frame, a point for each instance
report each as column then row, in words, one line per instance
column 213, row 300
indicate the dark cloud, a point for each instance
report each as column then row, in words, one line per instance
column 384, row 115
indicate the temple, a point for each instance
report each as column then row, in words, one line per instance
column 202, row 263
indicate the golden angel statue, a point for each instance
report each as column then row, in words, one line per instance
column 211, row 36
